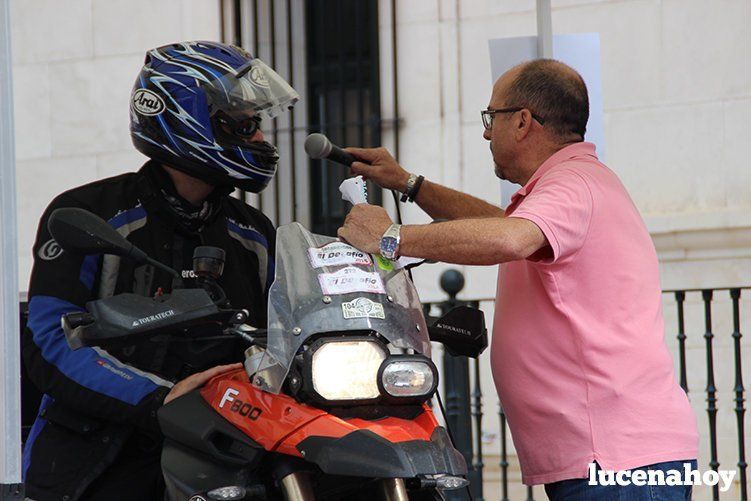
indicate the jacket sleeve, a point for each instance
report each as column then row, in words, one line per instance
column 89, row 380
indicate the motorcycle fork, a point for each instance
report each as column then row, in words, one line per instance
column 296, row 487
column 394, row 490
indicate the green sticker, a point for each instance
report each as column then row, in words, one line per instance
column 383, row 263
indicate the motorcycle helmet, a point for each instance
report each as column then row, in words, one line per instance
column 196, row 105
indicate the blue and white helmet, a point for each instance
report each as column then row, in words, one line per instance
column 196, row 105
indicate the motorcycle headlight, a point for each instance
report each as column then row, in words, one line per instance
column 405, row 376
column 346, row 369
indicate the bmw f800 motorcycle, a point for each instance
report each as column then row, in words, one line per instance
column 333, row 399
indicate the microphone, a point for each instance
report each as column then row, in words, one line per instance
column 319, row 146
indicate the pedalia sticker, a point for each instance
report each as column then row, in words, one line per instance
column 258, row 77
column 363, row 307
column 337, row 254
column 350, row 279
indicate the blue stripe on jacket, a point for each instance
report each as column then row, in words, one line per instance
column 84, row 366
column 256, row 236
column 90, row 263
column 128, row 216
column 248, row 233
column 36, row 429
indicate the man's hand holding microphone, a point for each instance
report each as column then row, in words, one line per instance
column 374, row 164
column 365, row 224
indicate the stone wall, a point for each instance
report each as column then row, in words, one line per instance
column 74, row 64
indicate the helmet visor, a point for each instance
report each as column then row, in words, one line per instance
column 255, row 89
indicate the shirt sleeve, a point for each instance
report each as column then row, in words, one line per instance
column 560, row 204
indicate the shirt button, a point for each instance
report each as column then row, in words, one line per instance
column 105, row 439
column 66, row 497
column 166, row 246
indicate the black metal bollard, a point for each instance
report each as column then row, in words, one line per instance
column 457, row 390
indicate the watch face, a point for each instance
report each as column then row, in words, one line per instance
column 388, row 246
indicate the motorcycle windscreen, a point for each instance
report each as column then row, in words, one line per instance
column 323, row 285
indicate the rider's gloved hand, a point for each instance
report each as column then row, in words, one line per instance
column 190, row 383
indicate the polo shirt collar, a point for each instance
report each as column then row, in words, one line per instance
column 572, row 151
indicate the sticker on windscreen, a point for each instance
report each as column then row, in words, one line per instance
column 337, row 254
column 350, row 279
column 363, row 307
column 258, row 77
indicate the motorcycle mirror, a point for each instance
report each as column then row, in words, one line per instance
column 78, row 230
column 461, row 331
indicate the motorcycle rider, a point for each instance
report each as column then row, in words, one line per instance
column 196, row 109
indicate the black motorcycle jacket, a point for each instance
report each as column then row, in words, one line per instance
column 95, row 400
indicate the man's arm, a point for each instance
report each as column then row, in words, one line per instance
column 486, row 241
column 479, row 241
column 441, row 202
column 438, row 201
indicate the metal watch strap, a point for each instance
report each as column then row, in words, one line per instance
column 389, row 245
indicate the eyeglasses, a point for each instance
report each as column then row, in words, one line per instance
column 245, row 127
column 487, row 116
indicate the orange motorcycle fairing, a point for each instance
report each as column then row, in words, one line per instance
column 279, row 423
column 265, row 417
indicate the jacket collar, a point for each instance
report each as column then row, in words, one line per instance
column 152, row 180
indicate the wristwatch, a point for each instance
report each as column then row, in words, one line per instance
column 390, row 242
column 409, row 187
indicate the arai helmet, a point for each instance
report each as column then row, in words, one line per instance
column 196, row 105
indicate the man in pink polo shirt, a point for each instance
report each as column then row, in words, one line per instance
column 578, row 352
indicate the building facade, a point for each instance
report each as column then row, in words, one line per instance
column 676, row 89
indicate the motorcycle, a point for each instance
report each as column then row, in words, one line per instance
column 333, row 400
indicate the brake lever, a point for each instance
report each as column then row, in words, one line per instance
column 250, row 335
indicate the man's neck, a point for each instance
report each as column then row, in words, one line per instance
column 539, row 156
column 190, row 188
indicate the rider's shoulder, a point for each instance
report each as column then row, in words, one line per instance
column 243, row 213
column 101, row 196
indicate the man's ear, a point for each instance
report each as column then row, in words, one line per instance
column 523, row 124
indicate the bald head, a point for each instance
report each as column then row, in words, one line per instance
column 550, row 89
